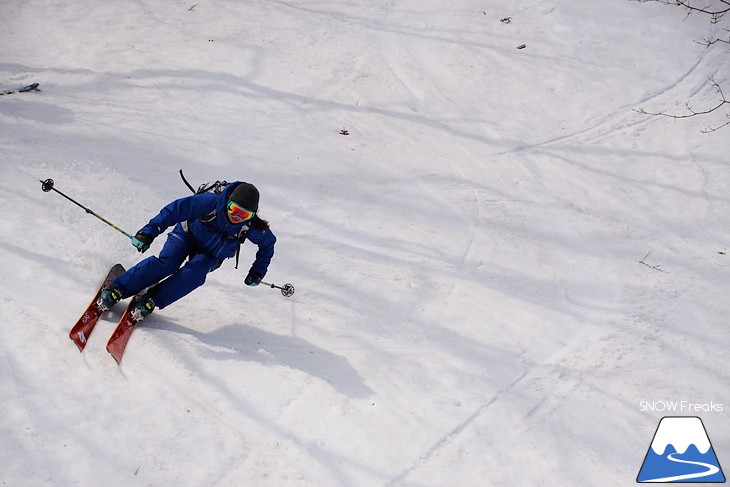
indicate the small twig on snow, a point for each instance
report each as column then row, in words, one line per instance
column 655, row 267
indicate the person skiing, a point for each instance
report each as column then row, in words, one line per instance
column 209, row 228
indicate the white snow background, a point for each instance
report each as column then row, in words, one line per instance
column 470, row 306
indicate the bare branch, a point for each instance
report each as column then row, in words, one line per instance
column 715, row 11
column 715, row 14
column 693, row 112
column 710, row 41
column 707, row 130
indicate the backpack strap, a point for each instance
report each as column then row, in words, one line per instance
column 186, row 182
column 241, row 239
column 206, row 219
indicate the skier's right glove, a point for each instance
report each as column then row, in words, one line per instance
column 142, row 241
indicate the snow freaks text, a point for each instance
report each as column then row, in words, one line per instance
column 680, row 407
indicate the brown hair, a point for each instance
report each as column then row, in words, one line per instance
column 259, row 223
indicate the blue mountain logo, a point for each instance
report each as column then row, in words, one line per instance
column 681, row 452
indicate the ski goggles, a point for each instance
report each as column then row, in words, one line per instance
column 239, row 213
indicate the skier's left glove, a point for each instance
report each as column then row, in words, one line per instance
column 142, row 241
column 252, row 279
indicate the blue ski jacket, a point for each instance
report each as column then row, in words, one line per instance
column 218, row 237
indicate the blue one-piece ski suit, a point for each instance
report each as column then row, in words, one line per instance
column 205, row 244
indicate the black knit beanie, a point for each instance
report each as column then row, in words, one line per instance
column 246, row 195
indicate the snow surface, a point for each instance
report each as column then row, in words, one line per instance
column 471, row 309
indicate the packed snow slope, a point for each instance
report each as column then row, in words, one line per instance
column 470, row 306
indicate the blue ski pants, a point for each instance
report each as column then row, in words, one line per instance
column 175, row 281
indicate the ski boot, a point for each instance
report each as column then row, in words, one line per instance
column 143, row 307
column 108, row 297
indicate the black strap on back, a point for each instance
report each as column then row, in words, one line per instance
column 241, row 237
column 186, row 181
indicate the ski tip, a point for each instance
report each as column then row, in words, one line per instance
column 116, row 348
column 118, row 360
column 80, row 344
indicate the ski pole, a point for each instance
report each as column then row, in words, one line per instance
column 286, row 290
column 48, row 186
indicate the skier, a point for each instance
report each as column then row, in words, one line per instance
column 209, row 228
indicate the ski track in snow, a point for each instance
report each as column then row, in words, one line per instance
column 451, row 435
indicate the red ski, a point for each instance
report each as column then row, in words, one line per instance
column 82, row 329
column 118, row 342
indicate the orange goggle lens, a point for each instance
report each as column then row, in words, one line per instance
column 239, row 213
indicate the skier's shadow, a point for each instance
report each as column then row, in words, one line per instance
column 248, row 343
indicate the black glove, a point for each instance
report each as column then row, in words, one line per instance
column 252, row 279
column 142, row 241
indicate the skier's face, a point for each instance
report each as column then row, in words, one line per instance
column 238, row 214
